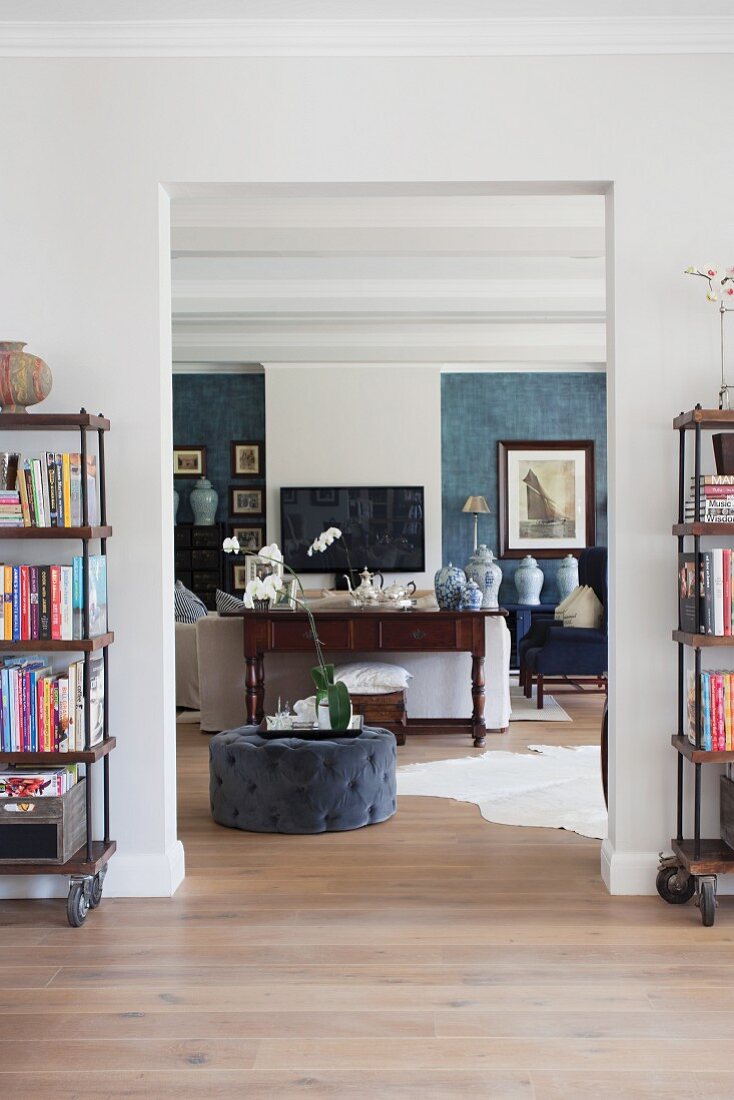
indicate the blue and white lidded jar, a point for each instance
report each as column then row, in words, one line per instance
column 203, row 500
column 483, row 569
column 449, row 584
column 528, row 581
column 471, row 597
column 567, row 577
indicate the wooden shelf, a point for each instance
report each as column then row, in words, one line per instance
column 77, row 865
column 58, row 533
column 63, row 422
column 78, row 645
column 716, row 857
column 60, row 758
column 702, row 641
column 712, row 419
column 699, row 756
column 680, row 529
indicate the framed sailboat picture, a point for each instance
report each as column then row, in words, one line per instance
column 547, row 504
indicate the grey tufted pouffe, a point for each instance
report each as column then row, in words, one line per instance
column 288, row 785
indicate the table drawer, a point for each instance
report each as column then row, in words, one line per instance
column 334, row 634
column 402, row 633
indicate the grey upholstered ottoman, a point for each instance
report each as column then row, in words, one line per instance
column 288, row 785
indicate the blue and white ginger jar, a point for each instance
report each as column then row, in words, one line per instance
column 203, row 500
column 449, row 584
column 483, row 569
column 567, row 577
column 471, row 597
column 528, row 581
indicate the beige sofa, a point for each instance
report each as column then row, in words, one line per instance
column 210, row 675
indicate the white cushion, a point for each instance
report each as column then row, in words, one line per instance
column 585, row 611
column 565, row 605
column 374, row 678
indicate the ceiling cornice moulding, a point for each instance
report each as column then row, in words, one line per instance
column 369, row 37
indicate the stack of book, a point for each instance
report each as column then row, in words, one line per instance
column 716, row 499
column 41, row 783
column 43, row 711
column 716, row 589
column 46, row 490
column 45, row 602
column 717, row 710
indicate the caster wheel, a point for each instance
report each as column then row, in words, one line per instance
column 707, row 904
column 670, row 889
column 95, row 892
column 76, row 906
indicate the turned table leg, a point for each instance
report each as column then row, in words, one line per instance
column 260, row 686
column 252, row 685
column 477, row 693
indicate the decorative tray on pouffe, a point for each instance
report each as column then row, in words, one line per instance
column 308, row 731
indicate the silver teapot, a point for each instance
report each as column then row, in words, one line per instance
column 366, row 592
column 399, row 593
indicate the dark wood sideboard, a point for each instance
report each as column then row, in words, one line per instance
column 367, row 630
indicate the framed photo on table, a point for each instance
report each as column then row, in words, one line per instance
column 189, row 461
column 245, row 502
column 260, row 568
column 547, row 497
column 248, row 459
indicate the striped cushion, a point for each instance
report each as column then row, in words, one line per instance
column 227, row 604
column 188, row 606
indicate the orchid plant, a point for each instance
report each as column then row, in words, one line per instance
column 721, row 288
column 270, row 588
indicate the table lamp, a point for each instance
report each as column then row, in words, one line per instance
column 477, row 506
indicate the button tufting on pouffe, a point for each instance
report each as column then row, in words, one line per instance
column 289, row 785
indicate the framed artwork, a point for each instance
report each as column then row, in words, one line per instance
column 248, row 459
column 258, row 567
column 239, row 583
column 250, row 538
column 189, row 461
column 287, row 598
column 327, row 497
column 245, row 502
column 547, row 504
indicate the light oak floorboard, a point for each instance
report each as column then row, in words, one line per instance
column 433, row 956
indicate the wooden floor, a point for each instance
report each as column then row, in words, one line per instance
column 434, row 956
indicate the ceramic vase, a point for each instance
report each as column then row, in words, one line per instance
column 24, row 378
column 324, row 717
column 175, row 506
column 449, row 584
column 567, row 577
column 483, row 569
column 203, row 502
column 528, row 581
column 471, row 597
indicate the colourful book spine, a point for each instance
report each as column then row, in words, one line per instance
column 33, row 599
column 60, row 489
column 17, row 678
column 720, row 721
column 64, row 714
column 22, row 486
column 44, row 602
column 25, row 604
column 706, row 711
column 726, row 569
column 56, row 602
column 727, row 711
column 48, row 713
column 16, row 603
column 66, row 476
column 40, row 715
column 66, row 602
column 8, row 602
column 55, row 725
column 53, row 507
column 25, row 713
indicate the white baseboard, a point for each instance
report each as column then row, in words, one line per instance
column 628, row 872
column 129, row 876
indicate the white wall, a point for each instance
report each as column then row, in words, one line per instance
column 87, row 144
column 355, row 424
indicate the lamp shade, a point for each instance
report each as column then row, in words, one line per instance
column 477, row 505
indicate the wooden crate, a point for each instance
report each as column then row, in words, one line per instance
column 43, row 830
column 387, row 710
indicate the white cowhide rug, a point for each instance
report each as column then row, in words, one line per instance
column 551, row 787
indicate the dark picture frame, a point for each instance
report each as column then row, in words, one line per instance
column 251, row 536
column 547, row 497
column 241, row 467
column 236, row 507
column 189, row 460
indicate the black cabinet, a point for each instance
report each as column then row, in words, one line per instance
column 199, row 559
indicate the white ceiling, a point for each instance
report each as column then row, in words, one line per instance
column 488, row 280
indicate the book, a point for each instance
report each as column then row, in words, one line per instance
column 687, row 593
column 75, row 490
column 44, row 602
column 56, row 602
column 77, row 597
column 66, row 489
column 92, row 510
column 51, row 475
column 66, row 602
column 97, row 595
column 25, row 604
column 726, row 570
column 707, row 605
column 38, row 783
column 96, row 697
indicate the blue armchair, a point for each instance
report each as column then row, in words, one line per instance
column 572, row 656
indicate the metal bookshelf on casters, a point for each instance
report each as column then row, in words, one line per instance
column 696, row 861
column 87, row 866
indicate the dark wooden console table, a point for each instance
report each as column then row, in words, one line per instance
column 368, row 630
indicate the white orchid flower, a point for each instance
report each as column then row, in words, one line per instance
column 231, row 546
column 272, row 552
column 272, row 585
column 319, row 544
column 248, row 601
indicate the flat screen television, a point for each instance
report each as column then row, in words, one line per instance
column 383, row 527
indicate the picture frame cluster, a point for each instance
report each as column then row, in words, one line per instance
column 246, row 503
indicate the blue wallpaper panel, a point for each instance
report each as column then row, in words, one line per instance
column 478, row 410
column 213, row 410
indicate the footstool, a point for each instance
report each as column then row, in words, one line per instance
column 292, row 785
